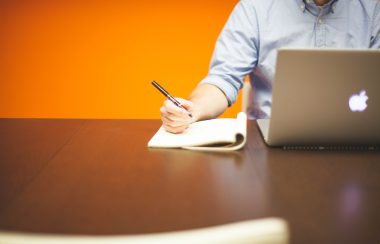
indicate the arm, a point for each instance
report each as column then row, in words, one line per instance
column 234, row 57
column 209, row 102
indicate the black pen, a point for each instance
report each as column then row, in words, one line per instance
column 170, row 97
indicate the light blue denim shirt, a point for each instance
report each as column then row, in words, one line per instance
column 255, row 30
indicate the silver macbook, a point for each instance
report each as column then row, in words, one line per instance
column 325, row 98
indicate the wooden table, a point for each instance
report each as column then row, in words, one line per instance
column 98, row 177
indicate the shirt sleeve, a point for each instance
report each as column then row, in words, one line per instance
column 236, row 51
column 375, row 36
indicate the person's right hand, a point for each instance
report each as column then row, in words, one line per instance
column 176, row 119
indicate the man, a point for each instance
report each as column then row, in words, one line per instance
column 248, row 46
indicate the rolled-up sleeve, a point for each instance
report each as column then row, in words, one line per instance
column 236, row 51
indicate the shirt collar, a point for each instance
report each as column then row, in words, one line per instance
column 316, row 10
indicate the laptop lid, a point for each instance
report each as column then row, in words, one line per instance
column 325, row 97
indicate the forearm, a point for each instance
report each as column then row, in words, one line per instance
column 209, row 102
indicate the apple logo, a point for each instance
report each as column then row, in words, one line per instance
column 358, row 102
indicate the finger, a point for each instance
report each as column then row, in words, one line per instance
column 189, row 108
column 174, row 123
column 170, row 117
column 188, row 105
column 179, row 111
column 175, row 130
column 172, row 108
column 183, row 117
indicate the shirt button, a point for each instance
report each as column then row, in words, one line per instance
column 320, row 21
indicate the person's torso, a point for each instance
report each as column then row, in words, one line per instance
column 301, row 24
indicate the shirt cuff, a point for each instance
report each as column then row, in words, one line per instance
column 227, row 88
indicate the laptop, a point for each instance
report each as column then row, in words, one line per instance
column 325, row 98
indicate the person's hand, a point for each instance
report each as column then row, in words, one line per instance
column 176, row 119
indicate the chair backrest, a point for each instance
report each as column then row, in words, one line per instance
column 270, row 230
column 247, row 96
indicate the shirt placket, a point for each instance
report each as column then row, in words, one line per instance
column 320, row 33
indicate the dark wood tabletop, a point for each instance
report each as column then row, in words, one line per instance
column 98, row 177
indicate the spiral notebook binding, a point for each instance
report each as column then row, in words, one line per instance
column 333, row 148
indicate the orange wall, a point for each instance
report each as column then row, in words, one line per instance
column 96, row 58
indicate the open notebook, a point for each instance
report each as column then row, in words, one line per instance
column 225, row 134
